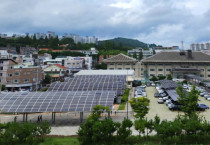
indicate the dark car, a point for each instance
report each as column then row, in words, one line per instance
column 156, row 95
column 163, row 94
column 174, row 107
column 202, row 107
column 148, row 84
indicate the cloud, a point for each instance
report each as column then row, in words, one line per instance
column 165, row 22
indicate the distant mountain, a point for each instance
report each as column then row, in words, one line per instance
column 125, row 42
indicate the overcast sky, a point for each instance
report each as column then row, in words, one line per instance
column 164, row 22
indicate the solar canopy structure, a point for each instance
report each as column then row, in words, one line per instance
column 92, row 83
column 168, row 84
column 65, row 101
column 173, row 94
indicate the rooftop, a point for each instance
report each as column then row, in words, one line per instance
column 105, row 72
column 175, row 56
column 120, row 58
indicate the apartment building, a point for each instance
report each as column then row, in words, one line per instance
column 23, row 77
column 74, row 64
column 4, row 65
column 120, row 62
column 145, row 53
column 200, row 46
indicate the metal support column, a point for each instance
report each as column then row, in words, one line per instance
column 54, row 117
column 26, row 117
column 109, row 115
column 23, row 117
column 81, row 117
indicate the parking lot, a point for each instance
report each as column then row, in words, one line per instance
column 162, row 110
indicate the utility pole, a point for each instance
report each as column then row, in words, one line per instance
column 128, row 96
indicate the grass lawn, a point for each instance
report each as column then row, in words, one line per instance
column 122, row 106
column 60, row 141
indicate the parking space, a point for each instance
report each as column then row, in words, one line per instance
column 162, row 110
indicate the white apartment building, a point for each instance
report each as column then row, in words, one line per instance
column 200, row 46
column 145, row 53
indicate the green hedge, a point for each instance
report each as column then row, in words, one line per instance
column 125, row 95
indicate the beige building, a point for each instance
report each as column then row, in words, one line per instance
column 20, row 77
column 120, row 62
column 175, row 63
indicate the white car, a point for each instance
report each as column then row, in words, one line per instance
column 165, row 98
column 168, row 102
column 153, row 84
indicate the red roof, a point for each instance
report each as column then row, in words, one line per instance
column 58, row 65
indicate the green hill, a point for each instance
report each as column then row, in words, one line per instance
column 125, row 42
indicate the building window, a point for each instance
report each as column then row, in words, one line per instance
column 9, row 67
column 1, row 68
column 202, row 69
column 160, row 64
column 142, row 69
column 208, row 69
column 111, row 68
column 151, row 64
column 0, row 74
column 128, row 64
column 128, row 68
column 9, row 75
column 152, row 75
column 16, row 81
column 28, row 73
column 160, row 69
column 26, row 80
column 201, row 65
column 168, row 69
column 152, row 69
column 160, row 74
column 119, row 68
column 16, row 73
column 202, row 76
column 168, row 64
column 1, row 61
column 119, row 63
column 35, row 72
column 209, row 76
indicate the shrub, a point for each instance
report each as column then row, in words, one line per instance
column 125, row 95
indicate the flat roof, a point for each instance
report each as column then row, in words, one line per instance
column 106, row 72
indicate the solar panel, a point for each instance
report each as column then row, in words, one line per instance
column 173, row 94
column 168, row 84
column 91, row 82
column 55, row 101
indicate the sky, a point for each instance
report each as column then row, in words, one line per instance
column 163, row 22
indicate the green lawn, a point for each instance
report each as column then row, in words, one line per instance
column 60, row 141
column 122, row 106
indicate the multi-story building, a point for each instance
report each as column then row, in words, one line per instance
column 81, row 39
column 27, row 51
column 74, row 64
column 175, row 63
column 56, row 71
column 23, row 77
column 200, row 46
column 145, row 53
column 120, row 62
column 5, row 63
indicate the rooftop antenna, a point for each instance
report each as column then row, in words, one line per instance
column 182, row 44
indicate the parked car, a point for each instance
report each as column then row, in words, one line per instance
column 202, row 107
column 207, row 97
column 153, row 84
column 156, row 95
column 163, row 94
column 203, row 93
column 160, row 101
column 148, row 84
column 168, row 102
column 165, row 98
column 184, row 86
column 174, row 107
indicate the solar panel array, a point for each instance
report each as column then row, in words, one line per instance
column 91, row 83
column 55, row 101
column 173, row 94
column 168, row 84
column 80, row 93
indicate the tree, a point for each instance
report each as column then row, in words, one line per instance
column 161, row 77
column 140, row 106
column 154, row 52
column 3, row 87
column 140, row 55
column 124, row 130
column 169, row 77
column 134, row 55
column 189, row 102
column 140, row 125
column 47, row 79
column 101, row 66
column 154, row 78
